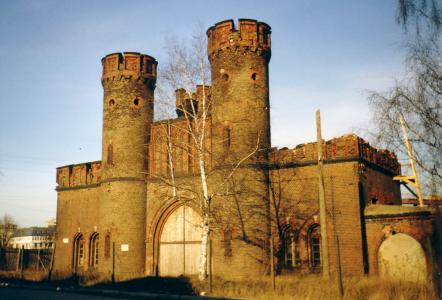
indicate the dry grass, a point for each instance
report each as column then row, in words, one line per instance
column 314, row 287
column 287, row 287
column 27, row 275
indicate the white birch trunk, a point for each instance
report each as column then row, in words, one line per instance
column 205, row 205
column 204, row 249
column 171, row 166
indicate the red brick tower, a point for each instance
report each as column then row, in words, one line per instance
column 128, row 82
column 239, row 59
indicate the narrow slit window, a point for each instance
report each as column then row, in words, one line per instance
column 110, row 154
column 227, row 137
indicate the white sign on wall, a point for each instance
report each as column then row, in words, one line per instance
column 124, row 247
column 65, row 240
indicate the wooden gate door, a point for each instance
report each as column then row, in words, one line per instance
column 180, row 242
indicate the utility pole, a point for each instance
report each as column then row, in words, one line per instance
column 413, row 180
column 322, row 208
column 113, row 262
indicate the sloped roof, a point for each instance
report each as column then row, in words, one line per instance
column 34, row 231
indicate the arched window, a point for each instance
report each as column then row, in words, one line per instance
column 107, row 246
column 110, row 154
column 78, row 252
column 93, row 249
column 314, row 240
column 291, row 248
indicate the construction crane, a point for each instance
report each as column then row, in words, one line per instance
column 412, row 180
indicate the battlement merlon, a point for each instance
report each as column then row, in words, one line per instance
column 184, row 98
column 129, row 65
column 347, row 147
column 79, row 175
column 251, row 35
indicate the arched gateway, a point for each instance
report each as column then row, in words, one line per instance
column 180, row 241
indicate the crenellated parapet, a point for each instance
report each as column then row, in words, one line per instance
column 345, row 147
column 250, row 35
column 117, row 66
column 185, row 99
column 79, row 175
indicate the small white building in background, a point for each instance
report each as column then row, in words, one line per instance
column 33, row 238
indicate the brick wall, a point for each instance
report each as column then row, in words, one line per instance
column 300, row 209
column 77, row 212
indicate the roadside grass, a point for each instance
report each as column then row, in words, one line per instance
column 287, row 286
column 314, row 287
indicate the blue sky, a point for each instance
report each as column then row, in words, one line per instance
column 325, row 54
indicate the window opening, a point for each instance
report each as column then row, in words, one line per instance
column 93, row 251
column 110, row 154
column 315, row 246
column 107, row 246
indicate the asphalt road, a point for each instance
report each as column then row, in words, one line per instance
column 25, row 294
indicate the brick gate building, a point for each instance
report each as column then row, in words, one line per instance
column 122, row 208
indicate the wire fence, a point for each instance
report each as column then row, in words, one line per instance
column 16, row 259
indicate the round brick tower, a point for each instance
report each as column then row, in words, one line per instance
column 239, row 59
column 128, row 81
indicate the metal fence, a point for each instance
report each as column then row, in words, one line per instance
column 16, row 259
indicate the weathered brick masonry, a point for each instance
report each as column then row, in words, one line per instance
column 123, row 206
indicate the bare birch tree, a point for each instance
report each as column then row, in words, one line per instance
column 423, row 14
column 418, row 97
column 188, row 67
column 7, row 228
